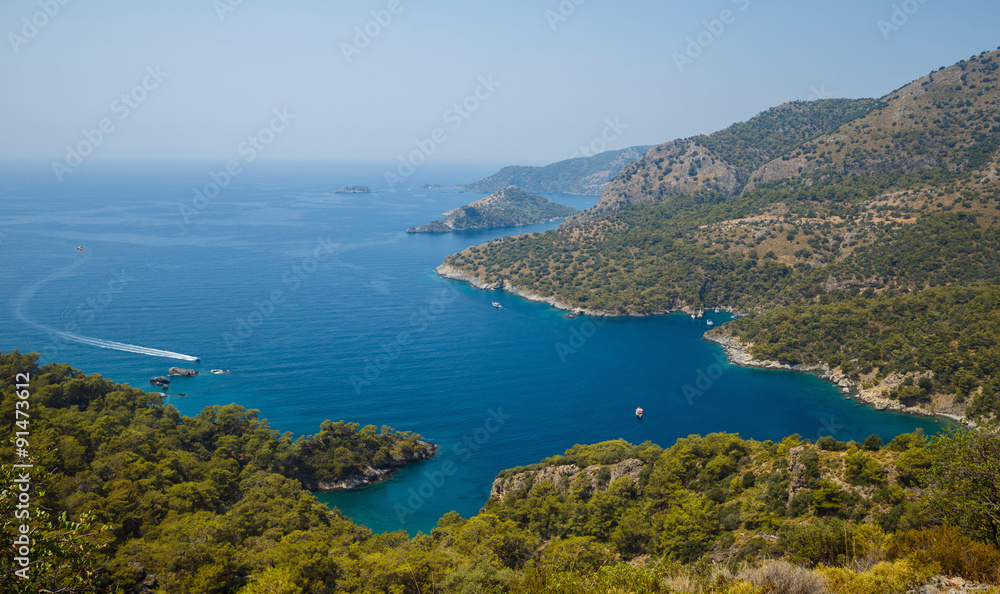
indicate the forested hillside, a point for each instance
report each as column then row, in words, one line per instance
column 941, row 340
column 130, row 496
column 802, row 205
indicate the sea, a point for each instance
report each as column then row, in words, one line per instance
column 322, row 307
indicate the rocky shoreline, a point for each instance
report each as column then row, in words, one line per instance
column 450, row 272
column 739, row 354
column 373, row 474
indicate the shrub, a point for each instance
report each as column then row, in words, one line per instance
column 800, row 503
column 862, row 470
column 907, row 441
column 964, row 481
column 885, row 578
column 578, row 553
column 478, row 578
column 823, row 541
column 829, row 499
column 912, row 465
column 873, row 443
column 827, row 442
column 868, row 547
column 955, row 553
column 811, row 472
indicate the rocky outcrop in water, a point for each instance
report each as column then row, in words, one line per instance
column 182, row 372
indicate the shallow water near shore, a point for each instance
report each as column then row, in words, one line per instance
column 321, row 307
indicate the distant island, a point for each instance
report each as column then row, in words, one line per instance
column 354, row 190
column 581, row 175
column 510, row 207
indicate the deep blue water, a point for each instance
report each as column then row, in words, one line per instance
column 323, row 308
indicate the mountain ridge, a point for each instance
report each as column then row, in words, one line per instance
column 587, row 175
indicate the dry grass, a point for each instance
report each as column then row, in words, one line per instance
column 781, row 577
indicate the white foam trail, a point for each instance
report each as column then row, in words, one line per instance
column 118, row 346
column 96, row 342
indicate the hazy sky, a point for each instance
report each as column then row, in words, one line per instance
column 195, row 78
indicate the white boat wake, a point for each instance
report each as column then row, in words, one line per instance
column 87, row 340
column 117, row 346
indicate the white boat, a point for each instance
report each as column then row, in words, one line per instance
column 638, row 413
column 496, row 304
column 711, row 323
column 692, row 316
column 700, row 313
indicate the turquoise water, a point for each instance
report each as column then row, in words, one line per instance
column 323, row 308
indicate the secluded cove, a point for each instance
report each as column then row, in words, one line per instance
column 368, row 333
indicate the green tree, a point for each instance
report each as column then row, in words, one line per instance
column 964, row 482
column 873, row 442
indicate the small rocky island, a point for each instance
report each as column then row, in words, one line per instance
column 510, row 207
column 354, row 190
column 161, row 381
